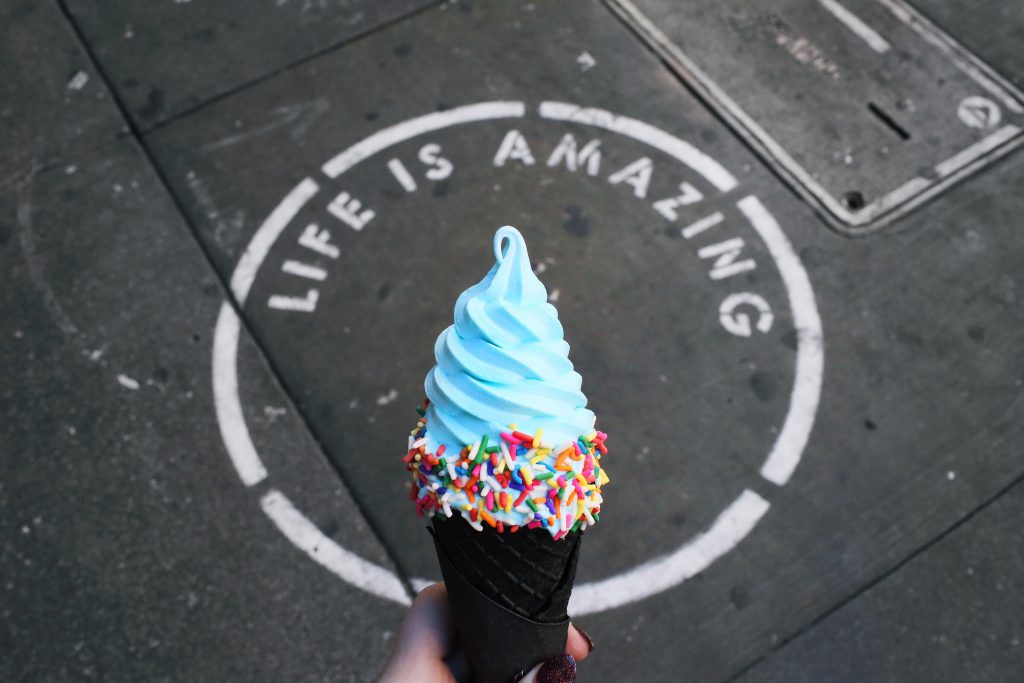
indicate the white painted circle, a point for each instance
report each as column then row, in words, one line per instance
column 652, row 577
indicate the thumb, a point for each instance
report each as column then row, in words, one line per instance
column 558, row 669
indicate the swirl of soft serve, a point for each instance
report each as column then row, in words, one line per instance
column 504, row 361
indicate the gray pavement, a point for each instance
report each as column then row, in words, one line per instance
column 949, row 614
column 212, row 354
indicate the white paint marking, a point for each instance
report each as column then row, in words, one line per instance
column 739, row 323
column 127, row 382
column 566, row 150
column 905, row 192
column 979, row 112
column 667, row 207
column 440, row 168
column 230, row 417
column 855, row 24
column 266, row 235
column 694, row 229
column 725, row 254
column 349, row 566
column 586, row 61
column 667, row 571
column 299, row 304
column 810, row 354
column 417, row 126
column 304, row 270
column 513, row 146
column 978, row 149
column 350, row 211
column 319, row 241
column 637, row 174
column 682, row 151
column 402, row 175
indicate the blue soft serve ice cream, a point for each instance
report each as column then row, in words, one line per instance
column 504, row 360
column 505, row 437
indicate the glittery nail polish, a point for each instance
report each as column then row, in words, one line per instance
column 586, row 637
column 558, row 669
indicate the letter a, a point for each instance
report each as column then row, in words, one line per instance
column 513, row 147
column 637, row 174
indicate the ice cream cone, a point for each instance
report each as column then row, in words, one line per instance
column 506, row 461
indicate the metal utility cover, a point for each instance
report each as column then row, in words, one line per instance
column 867, row 107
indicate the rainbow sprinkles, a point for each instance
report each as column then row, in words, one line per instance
column 510, row 480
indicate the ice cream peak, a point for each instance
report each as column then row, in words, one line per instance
column 504, row 360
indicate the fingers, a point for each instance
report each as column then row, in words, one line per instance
column 579, row 643
column 558, row 669
column 562, row 668
column 428, row 624
column 426, row 646
column 427, row 636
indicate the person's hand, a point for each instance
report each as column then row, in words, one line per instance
column 426, row 650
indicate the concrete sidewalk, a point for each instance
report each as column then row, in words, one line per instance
column 232, row 234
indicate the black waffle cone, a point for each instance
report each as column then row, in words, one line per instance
column 526, row 572
column 508, row 594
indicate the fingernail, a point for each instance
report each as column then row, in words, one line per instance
column 558, row 669
column 586, row 637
